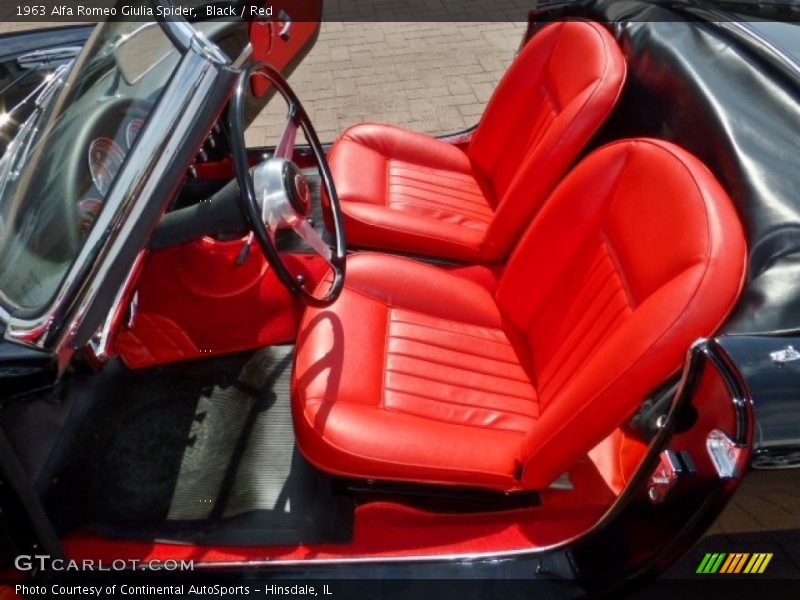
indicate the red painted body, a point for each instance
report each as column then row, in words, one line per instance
column 300, row 23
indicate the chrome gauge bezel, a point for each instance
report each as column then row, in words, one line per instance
column 111, row 151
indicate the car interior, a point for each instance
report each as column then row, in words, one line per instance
column 467, row 378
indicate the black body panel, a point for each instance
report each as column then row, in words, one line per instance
column 24, row 370
column 771, row 368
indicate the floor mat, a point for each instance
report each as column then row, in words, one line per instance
column 199, row 452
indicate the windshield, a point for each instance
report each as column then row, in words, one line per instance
column 61, row 165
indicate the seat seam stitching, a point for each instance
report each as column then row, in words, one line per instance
column 415, row 195
column 438, row 420
column 387, row 326
column 412, row 234
column 404, row 321
column 473, row 388
column 453, row 403
column 503, row 342
column 473, row 369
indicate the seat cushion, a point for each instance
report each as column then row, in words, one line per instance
column 410, row 375
column 557, row 93
column 644, row 254
column 409, row 192
column 416, row 374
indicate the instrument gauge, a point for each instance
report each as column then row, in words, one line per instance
column 105, row 160
column 88, row 209
column 132, row 131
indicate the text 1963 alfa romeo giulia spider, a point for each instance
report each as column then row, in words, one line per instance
column 548, row 348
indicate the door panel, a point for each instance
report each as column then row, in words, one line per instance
column 698, row 455
column 284, row 39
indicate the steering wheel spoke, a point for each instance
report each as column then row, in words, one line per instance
column 288, row 139
column 275, row 194
column 312, row 237
column 259, row 186
column 272, row 225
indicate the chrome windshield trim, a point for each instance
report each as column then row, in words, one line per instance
column 100, row 343
column 186, row 38
column 48, row 58
column 167, row 128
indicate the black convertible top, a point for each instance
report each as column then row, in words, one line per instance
column 732, row 99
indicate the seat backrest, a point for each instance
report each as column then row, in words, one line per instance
column 636, row 254
column 553, row 98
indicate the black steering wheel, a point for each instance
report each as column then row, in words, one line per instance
column 275, row 193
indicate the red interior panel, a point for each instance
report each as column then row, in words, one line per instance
column 195, row 300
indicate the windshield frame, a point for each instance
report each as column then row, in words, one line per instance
column 64, row 100
column 132, row 201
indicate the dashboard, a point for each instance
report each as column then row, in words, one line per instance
column 105, row 154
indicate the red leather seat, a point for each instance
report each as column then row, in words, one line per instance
column 416, row 374
column 412, row 193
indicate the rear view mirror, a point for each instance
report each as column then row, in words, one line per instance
column 141, row 51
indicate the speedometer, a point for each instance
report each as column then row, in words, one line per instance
column 105, row 160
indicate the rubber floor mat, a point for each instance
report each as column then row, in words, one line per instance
column 199, row 452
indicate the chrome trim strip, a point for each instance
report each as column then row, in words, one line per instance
column 245, row 54
column 187, row 39
column 100, row 343
column 48, row 58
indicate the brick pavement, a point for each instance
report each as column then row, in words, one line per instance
column 431, row 77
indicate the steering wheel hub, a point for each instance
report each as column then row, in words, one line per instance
column 297, row 189
column 283, row 193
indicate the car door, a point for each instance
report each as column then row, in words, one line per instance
column 281, row 35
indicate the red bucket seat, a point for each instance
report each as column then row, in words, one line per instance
column 409, row 192
column 416, row 374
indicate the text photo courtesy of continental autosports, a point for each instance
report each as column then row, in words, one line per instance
column 399, row 299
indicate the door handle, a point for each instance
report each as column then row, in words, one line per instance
column 286, row 19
